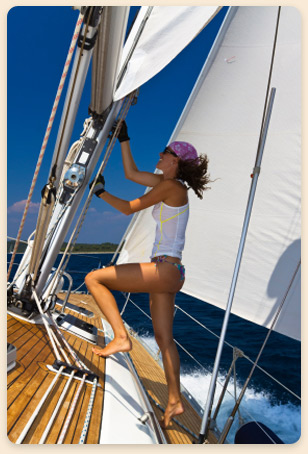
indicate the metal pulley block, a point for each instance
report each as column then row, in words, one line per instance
column 73, row 180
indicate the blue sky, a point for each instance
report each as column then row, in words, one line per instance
column 38, row 41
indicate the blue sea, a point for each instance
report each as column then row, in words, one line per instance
column 265, row 400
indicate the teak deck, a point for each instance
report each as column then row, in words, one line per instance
column 30, row 379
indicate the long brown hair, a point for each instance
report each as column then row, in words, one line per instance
column 194, row 173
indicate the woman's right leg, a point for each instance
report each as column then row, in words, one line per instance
column 162, row 311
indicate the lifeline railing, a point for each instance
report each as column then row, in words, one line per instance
column 237, row 353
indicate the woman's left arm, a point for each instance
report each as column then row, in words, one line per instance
column 156, row 195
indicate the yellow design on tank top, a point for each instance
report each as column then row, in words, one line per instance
column 161, row 224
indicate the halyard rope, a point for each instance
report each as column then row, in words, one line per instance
column 126, row 105
column 89, row 413
column 61, row 348
column 46, row 318
column 69, row 247
column 55, row 412
column 74, row 81
column 75, row 234
column 40, row 231
column 71, row 411
column 38, row 408
column 47, row 133
column 54, row 340
column 46, row 324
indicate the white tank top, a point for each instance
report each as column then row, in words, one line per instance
column 171, row 224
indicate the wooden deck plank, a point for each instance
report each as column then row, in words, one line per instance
column 30, row 379
column 153, row 379
column 30, row 340
column 75, row 427
column 45, row 414
column 24, row 405
column 95, row 422
column 63, row 412
column 154, row 382
column 16, row 331
column 30, row 370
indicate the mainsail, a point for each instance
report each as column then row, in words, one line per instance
column 157, row 36
column 223, row 118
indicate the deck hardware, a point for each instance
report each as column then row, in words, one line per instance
column 73, row 180
column 11, row 356
column 174, row 419
column 77, row 326
column 88, row 42
column 144, row 418
column 68, row 368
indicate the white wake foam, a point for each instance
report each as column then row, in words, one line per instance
column 283, row 419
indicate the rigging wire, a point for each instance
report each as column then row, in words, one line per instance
column 262, row 348
column 71, row 411
column 269, row 78
column 89, row 413
column 244, row 410
column 243, row 355
column 74, row 83
column 269, row 99
column 69, row 247
column 48, row 197
column 47, row 133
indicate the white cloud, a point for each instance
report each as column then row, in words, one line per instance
column 103, row 217
column 18, row 207
column 113, row 216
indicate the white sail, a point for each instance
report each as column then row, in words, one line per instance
column 222, row 119
column 167, row 31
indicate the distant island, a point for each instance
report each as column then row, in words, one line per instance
column 79, row 247
column 90, row 247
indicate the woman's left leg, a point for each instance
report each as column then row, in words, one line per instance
column 139, row 277
column 108, row 305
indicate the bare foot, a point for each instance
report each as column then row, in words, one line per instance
column 171, row 411
column 115, row 346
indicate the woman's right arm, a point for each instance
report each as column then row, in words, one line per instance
column 131, row 171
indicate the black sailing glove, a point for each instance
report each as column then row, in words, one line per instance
column 123, row 134
column 99, row 187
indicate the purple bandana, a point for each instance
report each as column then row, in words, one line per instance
column 184, row 150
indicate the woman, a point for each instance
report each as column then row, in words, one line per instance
column 164, row 276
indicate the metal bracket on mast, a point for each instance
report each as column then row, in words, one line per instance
column 256, row 171
column 76, row 84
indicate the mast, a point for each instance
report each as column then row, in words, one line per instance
column 85, row 46
column 74, row 182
